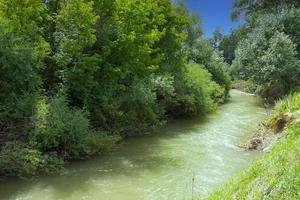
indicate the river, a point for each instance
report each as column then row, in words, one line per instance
column 183, row 158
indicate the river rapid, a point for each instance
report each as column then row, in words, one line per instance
column 183, row 158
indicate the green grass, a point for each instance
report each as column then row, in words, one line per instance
column 277, row 174
column 289, row 104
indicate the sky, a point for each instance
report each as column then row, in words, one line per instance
column 214, row 13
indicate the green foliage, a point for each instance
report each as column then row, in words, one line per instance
column 202, row 52
column 290, row 104
column 26, row 16
column 82, row 80
column 269, row 58
column 217, row 37
column 17, row 159
column 197, row 93
column 20, row 63
column 205, row 54
column 66, row 131
column 218, row 68
column 246, row 86
column 194, row 32
column 289, row 22
column 255, row 8
column 121, row 65
column 230, row 42
column 269, row 53
column 138, row 107
column 74, row 30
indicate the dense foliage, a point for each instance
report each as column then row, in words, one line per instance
column 269, row 53
column 78, row 75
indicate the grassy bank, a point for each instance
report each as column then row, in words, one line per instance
column 277, row 174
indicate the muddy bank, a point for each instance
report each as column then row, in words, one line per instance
column 268, row 132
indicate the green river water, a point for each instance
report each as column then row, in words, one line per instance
column 184, row 157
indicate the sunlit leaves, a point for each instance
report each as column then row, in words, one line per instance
column 75, row 29
column 268, row 57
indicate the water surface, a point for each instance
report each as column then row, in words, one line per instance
column 185, row 157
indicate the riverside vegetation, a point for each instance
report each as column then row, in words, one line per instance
column 276, row 174
column 266, row 62
column 77, row 76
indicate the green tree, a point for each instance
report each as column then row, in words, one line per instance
column 255, row 8
column 217, row 38
column 230, row 42
column 22, row 52
column 270, row 60
column 74, row 30
column 77, row 74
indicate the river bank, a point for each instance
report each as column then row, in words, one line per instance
column 276, row 174
column 161, row 165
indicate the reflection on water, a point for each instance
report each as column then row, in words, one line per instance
column 157, row 166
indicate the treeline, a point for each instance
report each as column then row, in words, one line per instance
column 265, row 50
column 76, row 76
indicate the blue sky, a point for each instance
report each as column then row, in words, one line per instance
column 214, row 13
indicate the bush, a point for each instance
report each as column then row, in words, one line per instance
column 67, row 131
column 218, row 69
column 196, row 93
column 20, row 62
column 268, row 55
column 218, row 93
column 204, row 54
column 144, row 103
column 246, row 86
column 16, row 159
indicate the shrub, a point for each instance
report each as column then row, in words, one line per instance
column 66, row 131
column 218, row 93
column 144, row 104
column 196, row 92
column 17, row 159
column 246, row 86
column 268, row 55
column 20, row 62
column 218, row 69
column 204, row 53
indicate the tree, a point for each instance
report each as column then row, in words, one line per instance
column 255, row 8
column 230, row 42
column 216, row 38
column 76, row 75
column 22, row 52
column 268, row 59
column 74, row 30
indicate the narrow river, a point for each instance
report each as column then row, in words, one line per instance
column 158, row 166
